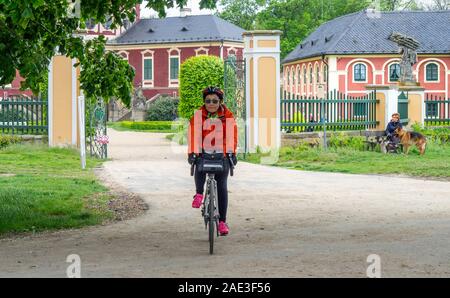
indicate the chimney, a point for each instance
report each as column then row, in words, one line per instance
column 185, row 11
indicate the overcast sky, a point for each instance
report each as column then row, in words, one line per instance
column 194, row 5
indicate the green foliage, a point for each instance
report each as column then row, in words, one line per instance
column 439, row 135
column 150, row 125
column 241, row 13
column 163, row 109
column 197, row 73
column 116, row 74
column 6, row 140
column 298, row 18
column 343, row 140
column 32, row 31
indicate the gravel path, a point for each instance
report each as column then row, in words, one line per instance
column 283, row 223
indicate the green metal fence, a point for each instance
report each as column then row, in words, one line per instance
column 335, row 112
column 437, row 110
column 23, row 115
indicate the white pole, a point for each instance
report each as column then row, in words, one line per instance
column 82, row 130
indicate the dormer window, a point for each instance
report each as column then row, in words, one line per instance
column 184, row 29
column 151, row 30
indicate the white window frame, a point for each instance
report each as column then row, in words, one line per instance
column 232, row 49
column 438, row 72
column 201, row 49
column 366, row 76
column 389, row 72
column 148, row 83
column 174, row 83
column 123, row 52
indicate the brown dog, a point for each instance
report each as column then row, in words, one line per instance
column 410, row 138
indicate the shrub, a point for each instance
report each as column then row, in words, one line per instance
column 151, row 125
column 163, row 109
column 6, row 140
column 343, row 140
column 438, row 135
column 197, row 73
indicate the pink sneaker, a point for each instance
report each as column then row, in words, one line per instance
column 197, row 202
column 223, row 228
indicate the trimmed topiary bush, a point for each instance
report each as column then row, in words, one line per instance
column 163, row 109
column 196, row 74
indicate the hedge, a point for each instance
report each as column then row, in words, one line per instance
column 151, row 125
column 196, row 74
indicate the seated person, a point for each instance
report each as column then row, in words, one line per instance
column 391, row 127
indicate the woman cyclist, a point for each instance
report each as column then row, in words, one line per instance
column 213, row 128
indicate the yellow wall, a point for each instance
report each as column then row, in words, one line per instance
column 62, row 100
column 381, row 111
column 414, row 108
column 252, row 105
column 267, row 43
column 267, row 101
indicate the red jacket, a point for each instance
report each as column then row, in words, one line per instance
column 218, row 133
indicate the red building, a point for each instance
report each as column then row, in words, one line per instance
column 353, row 51
column 157, row 47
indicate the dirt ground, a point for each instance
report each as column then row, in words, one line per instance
column 283, row 223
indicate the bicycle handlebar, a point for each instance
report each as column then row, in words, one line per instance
column 229, row 159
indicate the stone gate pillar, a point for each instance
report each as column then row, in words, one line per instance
column 262, row 54
column 63, row 92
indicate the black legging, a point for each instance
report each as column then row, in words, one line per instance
column 222, row 189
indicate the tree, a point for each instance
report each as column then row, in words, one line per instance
column 241, row 13
column 32, row 31
column 439, row 5
column 391, row 5
column 298, row 18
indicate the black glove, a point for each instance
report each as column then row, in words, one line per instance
column 192, row 158
column 234, row 158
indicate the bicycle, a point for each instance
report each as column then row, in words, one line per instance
column 211, row 164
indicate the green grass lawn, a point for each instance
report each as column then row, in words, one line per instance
column 44, row 188
column 435, row 162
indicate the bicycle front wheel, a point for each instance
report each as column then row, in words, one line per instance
column 211, row 223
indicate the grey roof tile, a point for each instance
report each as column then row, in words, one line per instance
column 170, row 30
column 358, row 33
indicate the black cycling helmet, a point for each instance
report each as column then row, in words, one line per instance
column 212, row 90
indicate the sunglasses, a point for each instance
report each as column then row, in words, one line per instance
column 209, row 101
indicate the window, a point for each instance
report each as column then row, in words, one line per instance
column 310, row 75
column 394, row 72
column 317, row 74
column 325, row 72
column 359, row 73
column 432, row 72
column 148, row 69
column 304, row 75
column 174, row 68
